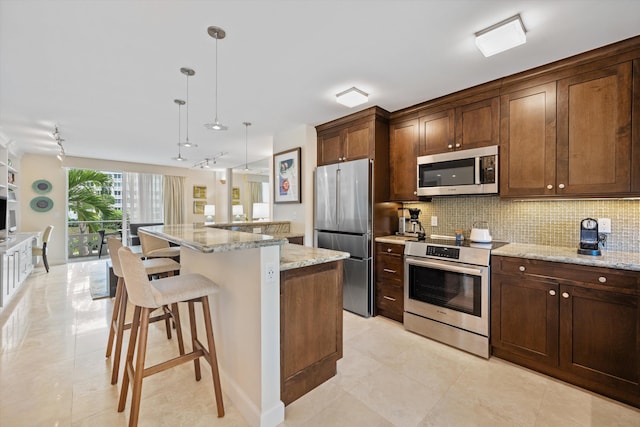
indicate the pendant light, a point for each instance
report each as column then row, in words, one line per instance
column 180, row 103
column 217, row 33
column 188, row 72
column 246, row 144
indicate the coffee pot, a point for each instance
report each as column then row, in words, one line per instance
column 416, row 226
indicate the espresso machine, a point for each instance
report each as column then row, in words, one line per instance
column 589, row 238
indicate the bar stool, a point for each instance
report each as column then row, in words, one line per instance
column 155, row 247
column 147, row 295
column 155, row 266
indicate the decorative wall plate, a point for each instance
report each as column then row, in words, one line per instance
column 41, row 186
column 41, row 204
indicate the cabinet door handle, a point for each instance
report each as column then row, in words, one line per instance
column 522, row 268
column 389, row 271
column 389, row 298
column 415, row 193
column 457, row 145
column 549, row 187
column 561, row 186
column 552, row 292
column 602, row 279
column 565, row 295
column 450, row 146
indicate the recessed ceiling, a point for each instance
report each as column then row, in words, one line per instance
column 107, row 72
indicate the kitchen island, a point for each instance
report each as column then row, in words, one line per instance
column 258, row 324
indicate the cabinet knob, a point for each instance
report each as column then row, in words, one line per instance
column 415, row 193
column 339, row 159
column 549, row 187
column 457, row 145
column 552, row 292
column 522, row 268
column 560, row 185
column 389, row 298
column 389, row 250
column 450, row 146
column 602, row 279
column 565, row 295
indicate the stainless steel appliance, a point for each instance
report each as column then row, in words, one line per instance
column 343, row 215
column 447, row 292
column 473, row 171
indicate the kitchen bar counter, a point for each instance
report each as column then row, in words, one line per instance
column 297, row 256
column 609, row 259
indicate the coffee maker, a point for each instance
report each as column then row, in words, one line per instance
column 589, row 238
column 416, row 226
column 403, row 221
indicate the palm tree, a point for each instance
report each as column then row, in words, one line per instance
column 89, row 198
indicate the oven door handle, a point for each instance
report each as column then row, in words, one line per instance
column 445, row 267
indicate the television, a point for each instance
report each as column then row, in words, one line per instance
column 3, row 214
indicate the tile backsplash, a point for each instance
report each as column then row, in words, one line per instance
column 552, row 222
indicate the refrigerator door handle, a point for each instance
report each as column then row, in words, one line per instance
column 338, row 196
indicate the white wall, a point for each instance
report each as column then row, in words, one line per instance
column 300, row 215
column 33, row 167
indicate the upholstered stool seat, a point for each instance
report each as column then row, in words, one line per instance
column 155, row 247
column 153, row 267
column 147, row 295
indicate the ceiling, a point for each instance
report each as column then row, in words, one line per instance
column 107, row 72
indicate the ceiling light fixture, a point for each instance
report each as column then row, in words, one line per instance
column 180, row 103
column 217, row 33
column 188, row 72
column 207, row 162
column 352, row 97
column 502, row 36
column 246, row 144
column 58, row 138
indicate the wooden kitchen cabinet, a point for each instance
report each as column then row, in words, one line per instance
column 389, row 279
column 578, row 323
column 437, row 132
column 349, row 143
column 403, row 142
column 478, row 124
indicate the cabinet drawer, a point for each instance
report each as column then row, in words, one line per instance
column 390, row 248
column 597, row 276
column 390, row 301
column 389, row 268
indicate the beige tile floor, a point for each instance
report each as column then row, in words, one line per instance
column 53, row 373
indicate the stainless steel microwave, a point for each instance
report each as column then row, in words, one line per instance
column 473, row 171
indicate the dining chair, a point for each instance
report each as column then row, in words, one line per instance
column 42, row 250
column 147, row 295
column 156, row 266
column 103, row 239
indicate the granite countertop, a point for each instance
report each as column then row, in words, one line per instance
column 296, row 256
column 207, row 239
column 244, row 223
column 609, row 259
column 395, row 239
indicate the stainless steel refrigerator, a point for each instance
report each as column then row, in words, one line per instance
column 343, row 215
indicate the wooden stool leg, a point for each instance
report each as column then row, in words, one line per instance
column 114, row 316
column 176, row 319
column 128, row 364
column 167, row 320
column 120, row 327
column 213, row 358
column 138, row 371
column 194, row 338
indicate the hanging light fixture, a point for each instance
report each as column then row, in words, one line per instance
column 58, row 138
column 188, row 72
column 246, row 144
column 180, row 103
column 217, row 33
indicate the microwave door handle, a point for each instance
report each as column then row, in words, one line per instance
column 477, row 170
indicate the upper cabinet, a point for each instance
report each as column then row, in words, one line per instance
column 403, row 142
column 437, row 132
column 477, row 124
column 349, row 143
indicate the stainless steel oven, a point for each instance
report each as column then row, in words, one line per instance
column 447, row 293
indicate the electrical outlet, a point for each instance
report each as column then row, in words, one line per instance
column 271, row 272
column 434, row 221
column 604, row 225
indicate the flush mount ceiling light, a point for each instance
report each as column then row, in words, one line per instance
column 246, row 144
column 180, row 103
column 501, row 36
column 217, row 33
column 352, row 97
column 188, row 72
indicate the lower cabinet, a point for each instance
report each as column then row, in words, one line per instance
column 580, row 324
column 15, row 266
column 389, row 279
column 310, row 327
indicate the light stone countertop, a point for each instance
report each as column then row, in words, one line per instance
column 609, row 259
column 395, row 239
column 296, row 256
column 207, row 239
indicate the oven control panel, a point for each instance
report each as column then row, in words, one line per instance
column 443, row 252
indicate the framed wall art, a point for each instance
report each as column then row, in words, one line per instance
column 199, row 192
column 286, row 167
column 198, row 206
